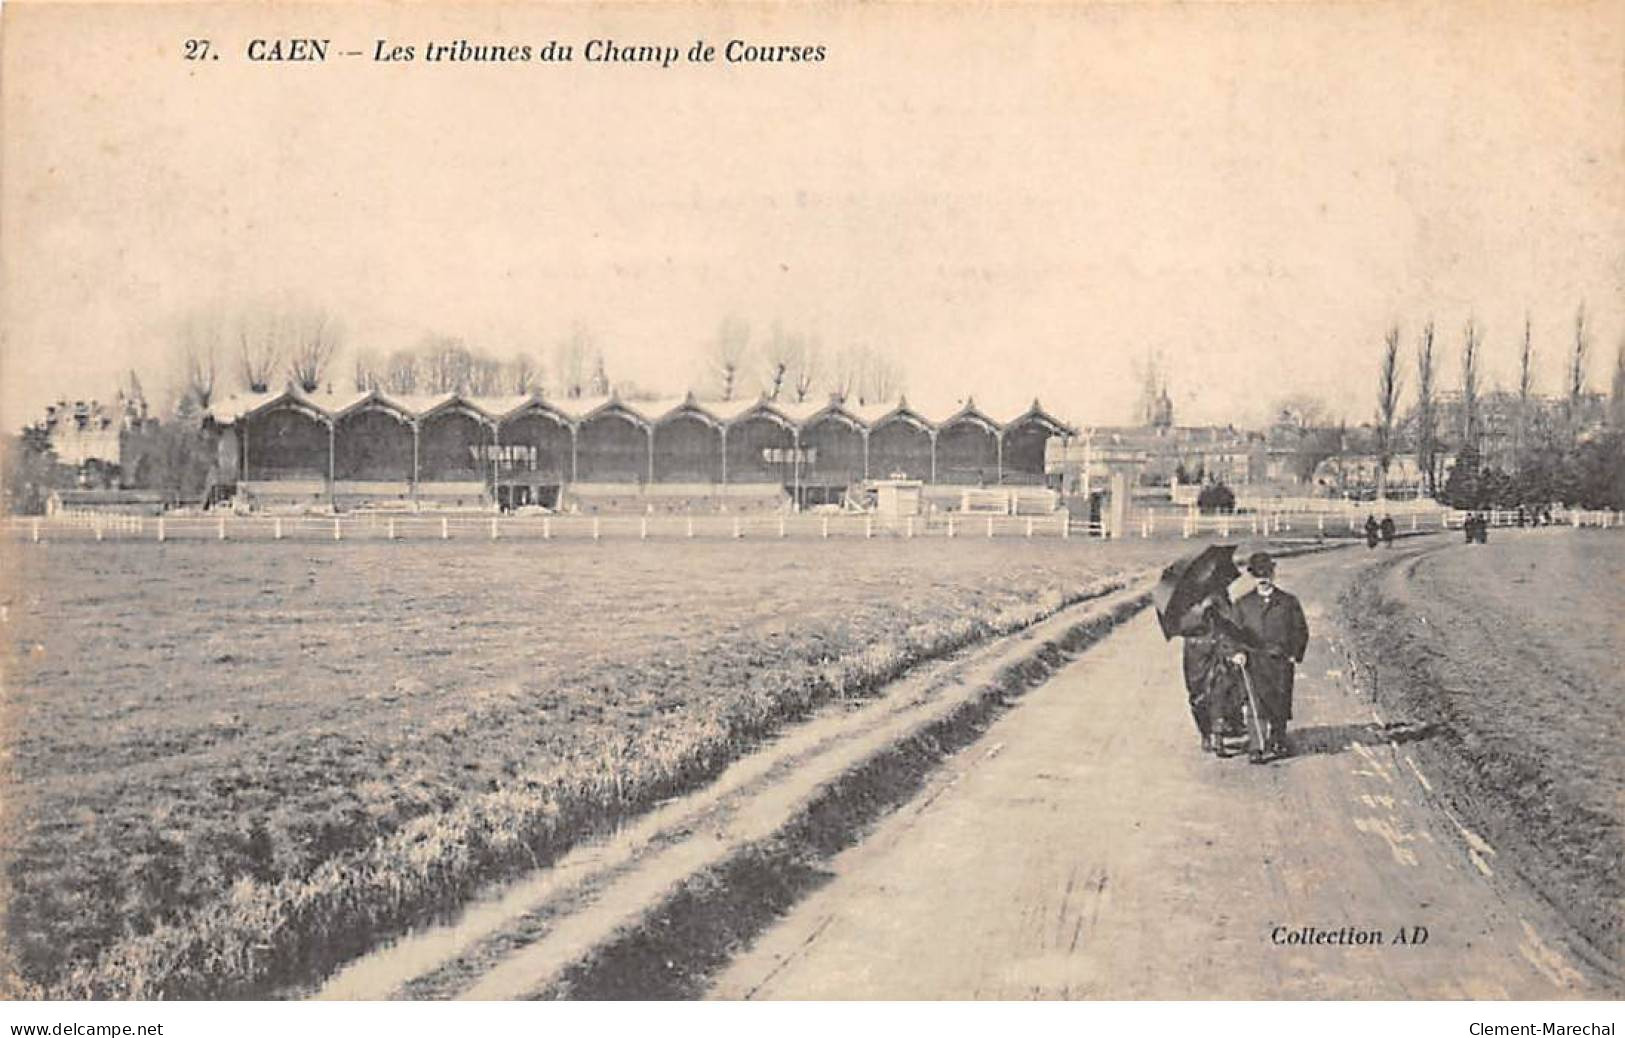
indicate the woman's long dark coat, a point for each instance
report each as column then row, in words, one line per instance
column 1212, row 685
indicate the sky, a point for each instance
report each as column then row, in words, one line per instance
column 1011, row 202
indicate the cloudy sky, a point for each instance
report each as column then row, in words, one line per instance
column 1012, row 202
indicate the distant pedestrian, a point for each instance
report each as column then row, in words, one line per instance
column 1483, row 529
column 1277, row 635
column 1469, row 528
column 1371, row 531
column 1388, row 531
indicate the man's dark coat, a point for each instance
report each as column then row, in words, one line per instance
column 1276, row 624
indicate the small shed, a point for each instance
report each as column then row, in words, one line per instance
column 898, row 498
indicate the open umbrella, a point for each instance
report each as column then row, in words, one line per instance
column 1188, row 580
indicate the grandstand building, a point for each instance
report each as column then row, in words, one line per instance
column 606, row 454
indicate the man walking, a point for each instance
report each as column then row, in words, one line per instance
column 1278, row 636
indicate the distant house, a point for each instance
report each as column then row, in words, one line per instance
column 1357, row 475
column 88, row 435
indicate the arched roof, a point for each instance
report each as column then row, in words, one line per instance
column 1036, row 413
column 659, row 412
column 535, row 405
column 836, row 411
column 454, row 403
column 972, row 414
column 614, row 407
column 246, row 406
column 876, row 416
column 643, row 413
column 765, row 408
column 377, row 400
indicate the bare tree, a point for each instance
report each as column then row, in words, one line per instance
column 882, row 379
column 844, row 374
column 1389, row 380
column 202, row 333
column 1302, row 412
column 1616, row 409
column 570, row 362
column 806, row 372
column 780, row 357
column 865, row 374
column 312, row 337
column 260, row 336
column 485, row 375
column 401, row 373
column 1426, row 415
column 523, row 375
column 1469, row 386
column 728, row 353
column 626, row 389
column 447, row 365
column 367, row 371
column 1577, row 374
column 1526, row 392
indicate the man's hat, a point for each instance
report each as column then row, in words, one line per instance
column 1259, row 564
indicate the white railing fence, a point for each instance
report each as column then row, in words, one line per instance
column 379, row 526
column 488, row 527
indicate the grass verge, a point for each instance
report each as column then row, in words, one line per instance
column 1526, row 724
column 276, row 931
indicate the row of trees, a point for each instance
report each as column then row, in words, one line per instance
column 263, row 346
column 793, row 366
column 1549, row 457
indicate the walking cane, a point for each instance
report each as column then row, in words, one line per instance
column 1257, row 725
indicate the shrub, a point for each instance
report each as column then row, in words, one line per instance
column 1216, row 497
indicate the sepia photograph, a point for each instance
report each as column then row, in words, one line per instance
column 814, row 503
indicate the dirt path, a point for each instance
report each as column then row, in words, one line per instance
column 525, row 939
column 1085, row 848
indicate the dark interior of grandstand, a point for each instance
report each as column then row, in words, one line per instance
column 287, row 449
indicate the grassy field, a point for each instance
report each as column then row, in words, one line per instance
column 1512, row 650
column 229, row 767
